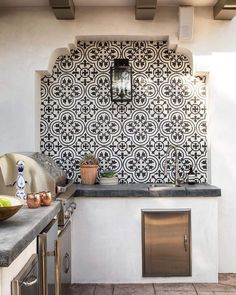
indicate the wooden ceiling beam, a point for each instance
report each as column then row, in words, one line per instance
column 145, row 9
column 63, row 9
column 225, row 9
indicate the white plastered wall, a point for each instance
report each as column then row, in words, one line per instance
column 29, row 38
column 107, row 243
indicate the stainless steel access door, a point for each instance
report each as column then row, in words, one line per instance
column 49, row 260
column 65, row 244
column 166, row 243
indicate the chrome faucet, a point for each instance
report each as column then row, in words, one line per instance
column 177, row 178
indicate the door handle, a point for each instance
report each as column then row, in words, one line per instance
column 186, row 243
column 32, row 280
column 57, row 261
column 66, row 263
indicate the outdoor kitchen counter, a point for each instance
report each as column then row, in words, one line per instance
column 146, row 190
column 17, row 232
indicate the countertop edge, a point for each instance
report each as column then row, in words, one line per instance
column 132, row 191
column 9, row 255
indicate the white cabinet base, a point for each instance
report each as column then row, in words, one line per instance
column 8, row 273
column 107, row 241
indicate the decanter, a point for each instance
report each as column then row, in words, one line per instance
column 20, row 181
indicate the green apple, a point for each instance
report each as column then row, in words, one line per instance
column 5, row 202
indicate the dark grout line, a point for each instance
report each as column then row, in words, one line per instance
column 195, row 289
column 94, row 289
column 154, row 289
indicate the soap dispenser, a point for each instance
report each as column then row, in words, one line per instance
column 191, row 176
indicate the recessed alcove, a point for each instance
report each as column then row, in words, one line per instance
column 168, row 107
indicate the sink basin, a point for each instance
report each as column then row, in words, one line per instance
column 163, row 186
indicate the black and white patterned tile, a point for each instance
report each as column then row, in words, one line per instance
column 168, row 107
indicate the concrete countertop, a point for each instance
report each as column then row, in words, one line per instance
column 17, row 232
column 146, row 190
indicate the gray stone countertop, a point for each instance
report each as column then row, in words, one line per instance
column 17, row 232
column 147, row 190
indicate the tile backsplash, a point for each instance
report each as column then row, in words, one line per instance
column 168, row 108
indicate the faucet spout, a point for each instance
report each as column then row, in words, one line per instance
column 177, row 178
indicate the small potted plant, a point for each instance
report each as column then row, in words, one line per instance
column 89, row 169
column 108, row 177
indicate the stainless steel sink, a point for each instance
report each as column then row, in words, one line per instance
column 163, row 186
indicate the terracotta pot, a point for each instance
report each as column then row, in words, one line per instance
column 88, row 173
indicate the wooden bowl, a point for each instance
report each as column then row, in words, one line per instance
column 9, row 211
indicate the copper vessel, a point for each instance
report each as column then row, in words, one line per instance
column 45, row 198
column 33, row 200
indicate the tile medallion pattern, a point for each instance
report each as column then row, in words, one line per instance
column 168, row 107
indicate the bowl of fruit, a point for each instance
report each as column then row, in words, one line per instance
column 9, row 206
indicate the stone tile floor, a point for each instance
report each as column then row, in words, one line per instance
column 226, row 286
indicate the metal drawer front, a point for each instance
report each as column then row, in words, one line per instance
column 26, row 282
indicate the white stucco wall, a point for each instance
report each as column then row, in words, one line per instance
column 107, row 239
column 28, row 38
